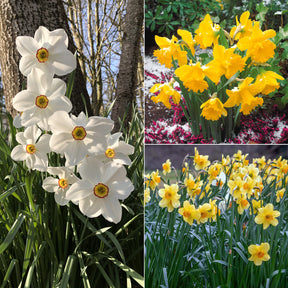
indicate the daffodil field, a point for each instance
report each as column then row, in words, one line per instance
column 217, row 224
column 71, row 191
column 221, row 74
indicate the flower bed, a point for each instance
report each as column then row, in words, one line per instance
column 164, row 126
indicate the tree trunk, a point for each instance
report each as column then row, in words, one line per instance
column 23, row 17
column 127, row 77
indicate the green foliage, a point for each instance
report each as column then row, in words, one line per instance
column 271, row 14
column 45, row 245
column 166, row 16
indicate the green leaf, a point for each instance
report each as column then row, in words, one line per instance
column 223, row 39
column 12, row 233
column 132, row 273
column 8, row 272
column 68, row 270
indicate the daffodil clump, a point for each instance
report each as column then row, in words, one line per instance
column 232, row 209
column 93, row 175
column 217, row 85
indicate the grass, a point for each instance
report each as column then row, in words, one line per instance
column 45, row 245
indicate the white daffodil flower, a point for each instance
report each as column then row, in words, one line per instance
column 47, row 51
column 100, row 189
column 75, row 137
column 114, row 150
column 59, row 185
column 32, row 149
column 44, row 96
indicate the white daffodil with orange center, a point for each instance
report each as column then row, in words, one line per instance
column 60, row 185
column 43, row 97
column 76, row 137
column 100, row 189
column 32, row 149
column 114, row 150
column 47, row 51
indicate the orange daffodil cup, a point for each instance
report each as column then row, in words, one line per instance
column 86, row 143
column 220, row 83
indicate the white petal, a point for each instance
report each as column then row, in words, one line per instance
column 28, row 118
column 112, row 210
column 122, row 159
column 19, row 153
column 124, row 148
column 122, row 189
column 61, row 103
column 17, row 121
column 27, row 63
column 43, row 143
column 90, row 208
column 80, row 120
column 32, row 133
column 75, row 152
column 50, row 184
column 24, row 100
column 64, row 62
column 41, row 162
column 113, row 172
column 91, row 170
column 58, row 87
column 59, row 171
column 113, row 139
column 79, row 190
column 39, row 81
column 41, row 35
column 26, row 45
column 60, row 141
column 61, row 122
column 60, row 197
column 100, row 125
column 20, row 138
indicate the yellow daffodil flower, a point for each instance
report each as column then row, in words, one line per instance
column 188, row 40
column 243, row 28
column 266, row 216
column 169, row 49
column 207, row 33
column 270, row 80
column 259, row 253
column 213, row 109
column 166, row 91
column 225, row 62
column 258, row 45
column 170, row 197
column 244, row 93
column 166, row 167
column 189, row 212
column 200, row 161
column 192, row 77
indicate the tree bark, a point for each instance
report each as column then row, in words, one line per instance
column 23, row 17
column 127, row 77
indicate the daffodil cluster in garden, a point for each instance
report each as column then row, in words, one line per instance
column 233, row 79
column 86, row 143
column 204, row 191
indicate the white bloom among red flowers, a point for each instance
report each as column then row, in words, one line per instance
column 101, row 188
column 59, row 185
column 32, row 149
column 43, row 97
column 75, row 136
column 47, row 51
